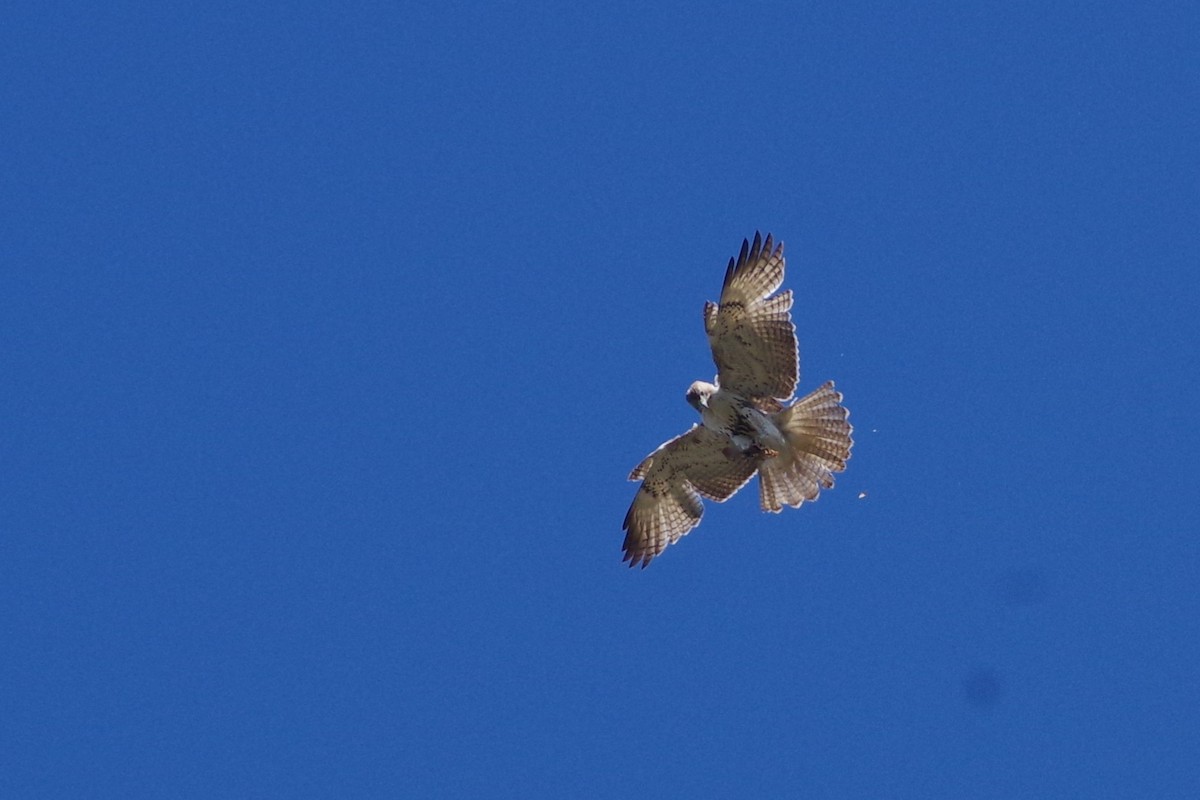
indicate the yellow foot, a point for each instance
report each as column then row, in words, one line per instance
column 753, row 451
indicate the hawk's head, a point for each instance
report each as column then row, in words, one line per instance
column 698, row 394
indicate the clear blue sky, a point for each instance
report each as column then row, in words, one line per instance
column 330, row 333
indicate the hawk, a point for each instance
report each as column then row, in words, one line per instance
column 747, row 423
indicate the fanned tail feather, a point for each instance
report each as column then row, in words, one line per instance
column 817, row 432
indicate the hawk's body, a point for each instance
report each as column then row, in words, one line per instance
column 745, row 426
column 737, row 417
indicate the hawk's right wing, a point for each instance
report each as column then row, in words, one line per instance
column 674, row 477
column 751, row 333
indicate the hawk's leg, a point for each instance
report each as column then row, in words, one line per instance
column 758, row 451
column 753, row 450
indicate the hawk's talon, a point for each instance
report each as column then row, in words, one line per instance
column 733, row 452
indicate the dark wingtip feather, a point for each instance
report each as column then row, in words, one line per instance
column 635, row 559
column 749, row 254
column 632, row 552
column 735, row 264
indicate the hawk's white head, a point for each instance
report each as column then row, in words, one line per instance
column 698, row 394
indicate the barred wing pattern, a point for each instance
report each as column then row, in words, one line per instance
column 750, row 332
column 674, row 477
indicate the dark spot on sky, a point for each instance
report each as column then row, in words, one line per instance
column 982, row 687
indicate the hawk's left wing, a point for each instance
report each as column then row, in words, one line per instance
column 674, row 477
column 751, row 333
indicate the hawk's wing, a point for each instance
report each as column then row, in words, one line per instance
column 751, row 333
column 674, row 477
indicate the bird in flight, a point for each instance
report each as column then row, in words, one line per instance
column 748, row 422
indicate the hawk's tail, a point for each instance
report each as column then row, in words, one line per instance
column 817, row 435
